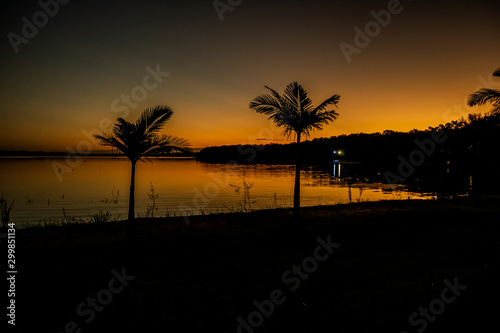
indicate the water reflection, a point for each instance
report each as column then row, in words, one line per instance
column 336, row 170
column 102, row 184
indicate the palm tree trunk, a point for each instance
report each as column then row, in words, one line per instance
column 131, row 205
column 296, row 192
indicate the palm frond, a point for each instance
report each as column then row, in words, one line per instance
column 122, row 127
column 112, row 141
column 172, row 140
column 289, row 131
column 285, row 119
column 297, row 97
column 483, row 96
column 139, row 140
column 495, row 110
column 294, row 111
column 266, row 104
column 332, row 100
column 328, row 115
column 153, row 119
column 165, row 144
column 274, row 93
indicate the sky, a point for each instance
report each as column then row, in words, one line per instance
column 412, row 69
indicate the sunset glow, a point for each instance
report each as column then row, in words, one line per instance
column 416, row 72
column 250, row 165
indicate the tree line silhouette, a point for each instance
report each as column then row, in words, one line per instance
column 470, row 142
column 365, row 147
column 470, row 145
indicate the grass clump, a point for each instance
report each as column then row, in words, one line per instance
column 101, row 217
column 5, row 209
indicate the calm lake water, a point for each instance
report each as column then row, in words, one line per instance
column 181, row 187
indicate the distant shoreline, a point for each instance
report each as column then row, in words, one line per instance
column 43, row 154
column 6, row 157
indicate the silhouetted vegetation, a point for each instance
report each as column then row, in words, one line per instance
column 102, row 217
column 5, row 209
column 487, row 95
column 140, row 140
column 467, row 142
column 295, row 113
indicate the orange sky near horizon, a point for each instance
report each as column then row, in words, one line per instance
column 415, row 73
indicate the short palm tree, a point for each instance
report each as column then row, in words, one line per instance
column 141, row 139
column 486, row 95
column 294, row 111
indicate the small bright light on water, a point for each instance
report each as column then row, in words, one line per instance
column 182, row 186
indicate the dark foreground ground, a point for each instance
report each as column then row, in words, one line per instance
column 392, row 262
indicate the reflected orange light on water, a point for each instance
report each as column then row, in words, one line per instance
column 183, row 186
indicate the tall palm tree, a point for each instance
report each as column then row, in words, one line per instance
column 141, row 139
column 485, row 95
column 294, row 112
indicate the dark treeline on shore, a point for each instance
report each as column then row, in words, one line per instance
column 463, row 148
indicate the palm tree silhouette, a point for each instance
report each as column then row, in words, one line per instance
column 485, row 95
column 294, row 112
column 141, row 139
